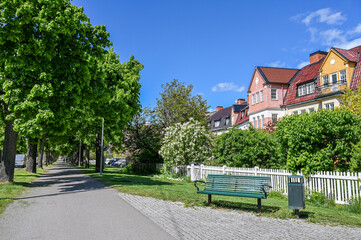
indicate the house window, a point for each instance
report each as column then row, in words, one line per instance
column 334, row 78
column 325, row 80
column 217, row 123
column 274, row 94
column 295, row 112
column 274, row 118
column 262, row 121
column 253, row 101
column 261, row 95
column 254, row 122
column 306, row 89
column 259, row 123
column 303, row 110
column 311, row 110
column 242, row 115
column 227, row 121
column 330, row 106
column 343, row 76
column 257, row 97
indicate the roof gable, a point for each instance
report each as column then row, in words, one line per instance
column 277, row 75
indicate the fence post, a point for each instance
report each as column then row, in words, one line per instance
column 201, row 171
column 192, row 173
column 256, row 170
column 224, row 169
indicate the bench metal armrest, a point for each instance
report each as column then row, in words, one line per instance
column 266, row 185
column 195, row 183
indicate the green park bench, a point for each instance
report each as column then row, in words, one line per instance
column 236, row 185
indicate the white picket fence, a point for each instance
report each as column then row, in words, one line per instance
column 339, row 186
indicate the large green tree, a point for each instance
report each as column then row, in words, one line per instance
column 177, row 104
column 320, row 141
column 248, row 148
column 49, row 53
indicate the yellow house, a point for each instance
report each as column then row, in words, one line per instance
column 336, row 73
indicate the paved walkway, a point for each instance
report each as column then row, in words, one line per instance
column 66, row 204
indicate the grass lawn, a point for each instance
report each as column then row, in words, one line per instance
column 22, row 179
column 275, row 206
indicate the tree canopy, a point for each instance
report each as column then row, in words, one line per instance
column 177, row 104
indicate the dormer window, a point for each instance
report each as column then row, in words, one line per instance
column 217, row 123
column 227, row 121
column 305, row 89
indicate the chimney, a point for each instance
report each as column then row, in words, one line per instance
column 219, row 108
column 317, row 56
column 240, row 101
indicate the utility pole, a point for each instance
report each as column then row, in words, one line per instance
column 101, row 152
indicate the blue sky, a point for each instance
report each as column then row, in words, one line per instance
column 215, row 45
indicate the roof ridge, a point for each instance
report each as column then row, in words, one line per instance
column 278, row 68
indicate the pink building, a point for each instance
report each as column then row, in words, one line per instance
column 266, row 92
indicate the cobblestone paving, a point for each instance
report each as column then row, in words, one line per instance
column 206, row 223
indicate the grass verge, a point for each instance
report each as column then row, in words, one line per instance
column 184, row 191
column 22, row 179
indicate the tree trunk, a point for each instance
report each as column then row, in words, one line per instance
column 32, row 150
column 87, row 154
column 82, row 155
column 98, row 152
column 9, row 153
column 41, row 151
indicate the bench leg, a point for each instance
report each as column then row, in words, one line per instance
column 259, row 205
column 209, row 199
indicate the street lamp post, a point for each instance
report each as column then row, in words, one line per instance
column 79, row 152
column 101, row 152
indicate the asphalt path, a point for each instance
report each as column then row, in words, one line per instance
column 66, row 204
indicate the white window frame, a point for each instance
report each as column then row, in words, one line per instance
column 262, row 124
column 254, row 122
column 253, row 99
column 257, row 97
column 228, row 120
column 274, row 117
column 217, row 123
column 261, row 95
column 258, row 122
column 325, row 80
column 343, row 78
column 274, row 89
column 310, row 110
column 333, row 74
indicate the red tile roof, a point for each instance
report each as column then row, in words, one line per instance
column 356, row 76
column 350, row 55
column 307, row 73
column 277, row 75
column 245, row 117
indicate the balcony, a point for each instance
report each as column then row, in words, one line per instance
column 332, row 87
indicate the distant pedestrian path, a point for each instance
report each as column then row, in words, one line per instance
column 66, row 204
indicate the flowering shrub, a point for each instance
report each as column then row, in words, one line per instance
column 185, row 143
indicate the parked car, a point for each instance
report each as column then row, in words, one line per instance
column 120, row 163
column 109, row 161
column 20, row 160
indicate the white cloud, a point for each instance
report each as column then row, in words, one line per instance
column 332, row 37
column 356, row 30
column 277, row 64
column 227, row 86
column 324, row 15
column 302, row 64
column 349, row 44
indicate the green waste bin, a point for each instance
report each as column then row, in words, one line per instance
column 296, row 193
